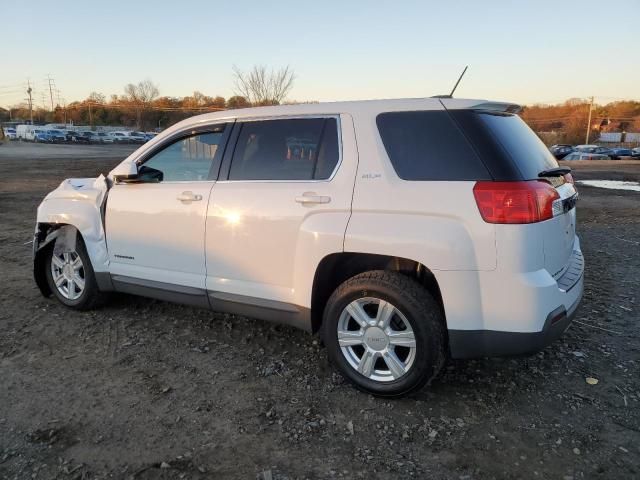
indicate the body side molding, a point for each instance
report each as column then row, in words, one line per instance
column 263, row 309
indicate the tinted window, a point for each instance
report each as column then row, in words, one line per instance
column 188, row 159
column 505, row 142
column 288, row 149
column 428, row 145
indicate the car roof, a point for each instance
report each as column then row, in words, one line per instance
column 349, row 107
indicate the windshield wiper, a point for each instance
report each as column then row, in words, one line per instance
column 555, row 172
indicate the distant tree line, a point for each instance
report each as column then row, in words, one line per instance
column 141, row 106
column 567, row 122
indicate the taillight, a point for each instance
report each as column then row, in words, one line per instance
column 515, row 202
column 568, row 178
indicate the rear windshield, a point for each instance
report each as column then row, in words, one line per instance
column 502, row 139
column 427, row 145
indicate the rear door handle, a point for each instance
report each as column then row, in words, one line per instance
column 188, row 197
column 310, row 198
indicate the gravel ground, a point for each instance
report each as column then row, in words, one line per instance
column 144, row 389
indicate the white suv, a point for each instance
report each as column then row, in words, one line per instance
column 402, row 230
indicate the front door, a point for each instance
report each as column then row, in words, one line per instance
column 155, row 227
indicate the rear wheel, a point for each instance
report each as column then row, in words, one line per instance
column 385, row 333
column 71, row 278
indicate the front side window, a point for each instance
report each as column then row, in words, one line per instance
column 286, row 149
column 188, row 159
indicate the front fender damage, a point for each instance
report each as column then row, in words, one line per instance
column 76, row 206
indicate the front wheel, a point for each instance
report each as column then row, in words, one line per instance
column 385, row 333
column 71, row 278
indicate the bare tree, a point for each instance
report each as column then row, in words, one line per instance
column 262, row 86
column 95, row 97
column 141, row 96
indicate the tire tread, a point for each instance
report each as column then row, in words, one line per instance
column 428, row 308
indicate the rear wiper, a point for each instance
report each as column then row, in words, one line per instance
column 555, row 172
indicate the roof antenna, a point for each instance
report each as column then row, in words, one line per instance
column 459, row 78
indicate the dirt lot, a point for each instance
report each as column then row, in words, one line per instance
column 145, row 389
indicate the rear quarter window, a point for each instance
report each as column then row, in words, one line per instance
column 506, row 144
column 428, row 145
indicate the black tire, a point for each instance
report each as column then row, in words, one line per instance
column 419, row 308
column 91, row 297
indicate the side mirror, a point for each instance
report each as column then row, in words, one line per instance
column 126, row 171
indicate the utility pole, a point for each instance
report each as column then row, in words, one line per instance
column 50, row 90
column 90, row 118
column 60, row 105
column 29, row 90
column 589, row 122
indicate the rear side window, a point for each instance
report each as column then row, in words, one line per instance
column 287, row 149
column 505, row 143
column 428, row 145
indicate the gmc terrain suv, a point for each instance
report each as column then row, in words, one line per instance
column 404, row 231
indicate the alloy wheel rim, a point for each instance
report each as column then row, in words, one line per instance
column 67, row 271
column 376, row 339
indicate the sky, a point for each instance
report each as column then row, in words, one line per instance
column 521, row 51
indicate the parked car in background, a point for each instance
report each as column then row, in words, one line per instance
column 104, row 137
column 56, row 136
column 561, row 150
column 119, row 137
column 593, row 149
column 22, row 132
column 10, row 133
column 40, row 136
column 604, row 151
column 68, row 135
column 635, row 153
column 81, row 137
column 585, row 148
column 138, row 137
column 150, row 135
column 94, row 137
column 586, row 156
column 617, row 153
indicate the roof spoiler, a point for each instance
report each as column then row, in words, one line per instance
column 498, row 107
column 487, row 106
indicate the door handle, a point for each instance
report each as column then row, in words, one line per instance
column 309, row 198
column 188, row 197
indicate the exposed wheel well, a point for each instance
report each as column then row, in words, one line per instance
column 338, row 267
column 43, row 241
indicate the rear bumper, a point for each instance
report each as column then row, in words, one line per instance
column 465, row 344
